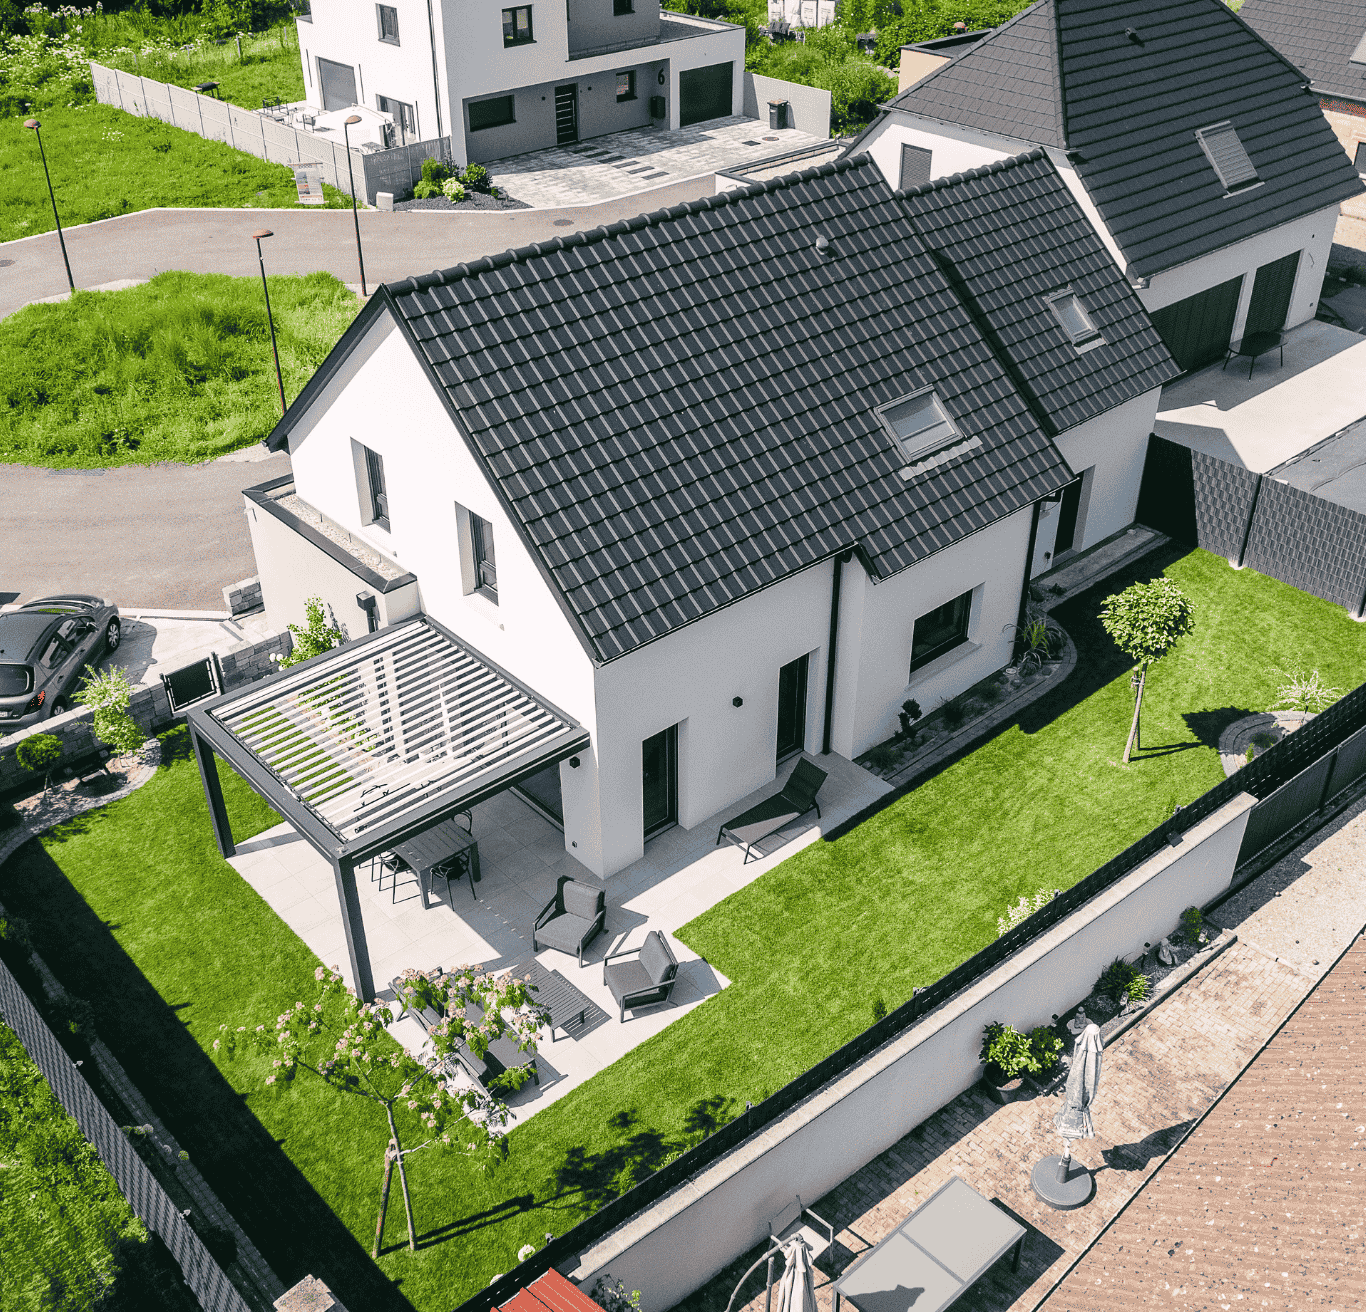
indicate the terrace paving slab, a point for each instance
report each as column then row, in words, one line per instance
column 1157, row 1079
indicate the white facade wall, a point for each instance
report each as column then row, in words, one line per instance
column 953, row 149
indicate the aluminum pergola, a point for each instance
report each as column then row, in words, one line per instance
column 375, row 741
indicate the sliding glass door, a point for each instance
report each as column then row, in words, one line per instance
column 659, row 779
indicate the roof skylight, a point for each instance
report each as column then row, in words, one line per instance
column 1075, row 321
column 920, row 424
column 1226, row 153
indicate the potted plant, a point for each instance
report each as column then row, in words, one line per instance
column 1007, row 1055
column 1046, row 1048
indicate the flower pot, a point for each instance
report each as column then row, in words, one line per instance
column 1046, row 1081
column 1000, row 1089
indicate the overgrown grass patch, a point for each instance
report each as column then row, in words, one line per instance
column 105, row 162
column 134, row 909
column 177, row 369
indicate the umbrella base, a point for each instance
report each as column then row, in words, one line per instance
column 1075, row 1191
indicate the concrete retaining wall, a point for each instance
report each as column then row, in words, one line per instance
column 808, row 108
column 244, row 596
column 673, row 1247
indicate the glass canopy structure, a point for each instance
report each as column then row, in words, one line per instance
column 374, row 742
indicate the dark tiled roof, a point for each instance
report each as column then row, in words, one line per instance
column 678, row 409
column 1317, row 36
column 1131, row 108
column 1009, row 234
column 1263, row 1202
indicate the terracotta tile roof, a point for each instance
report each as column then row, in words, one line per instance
column 1264, row 1205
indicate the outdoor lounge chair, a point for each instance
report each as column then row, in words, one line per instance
column 571, row 919
column 796, row 797
column 648, row 979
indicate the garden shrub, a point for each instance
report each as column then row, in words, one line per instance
column 434, row 171
column 453, row 191
column 614, row 1297
column 1009, row 1051
column 1045, row 1047
column 475, row 177
column 319, row 636
column 1020, row 911
column 72, row 1020
column 883, row 757
column 425, row 190
column 110, row 693
column 39, row 754
column 1192, row 921
column 1116, row 978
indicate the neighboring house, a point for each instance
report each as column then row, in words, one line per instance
column 1193, row 146
column 504, row 81
column 1327, row 40
column 920, row 59
column 728, row 481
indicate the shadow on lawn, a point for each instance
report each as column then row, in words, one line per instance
column 295, row 1230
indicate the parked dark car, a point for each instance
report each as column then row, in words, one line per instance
column 45, row 646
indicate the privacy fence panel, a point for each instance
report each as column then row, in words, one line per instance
column 1224, row 497
column 1291, row 803
column 213, row 1289
column 1351, row 764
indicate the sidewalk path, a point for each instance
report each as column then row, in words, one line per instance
column 395, row 245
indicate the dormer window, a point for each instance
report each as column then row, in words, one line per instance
column 1226, row 153
column 1074, row 320
column 920, row 424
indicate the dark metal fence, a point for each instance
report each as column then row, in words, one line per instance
column 192, row 683
column 1252, row 519
column 1304, row 771
column 213, row 1289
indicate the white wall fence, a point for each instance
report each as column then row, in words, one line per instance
column 258, row 134
column 808, row 108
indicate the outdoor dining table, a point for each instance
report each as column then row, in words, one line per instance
column 435, row 847
column 934, row 1256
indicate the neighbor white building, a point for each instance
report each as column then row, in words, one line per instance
column 501, row 82
column 1197, row 150
column 730, row 481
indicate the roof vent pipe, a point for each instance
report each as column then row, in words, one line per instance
column 1132, row 34
column 822, row 246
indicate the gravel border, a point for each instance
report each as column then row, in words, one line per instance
column 474, row 200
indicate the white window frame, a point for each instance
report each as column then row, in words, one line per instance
column 1088, row 339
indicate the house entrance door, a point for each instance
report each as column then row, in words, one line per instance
column 1270, row 304
column 567, row 114
column 792, row 708
column 659, row 780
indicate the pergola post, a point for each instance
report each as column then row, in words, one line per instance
column 213, row 794
column 344, row 868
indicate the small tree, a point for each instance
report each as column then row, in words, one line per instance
column 1146, row 621
column 1304, row 692
column 317, row 637
column 110, row 694
column 40, row 754
column 334, row 1037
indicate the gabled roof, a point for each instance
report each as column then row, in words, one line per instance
column 1125, row 87
column 680, row 409
column 1010, row 234
column 1319, row 36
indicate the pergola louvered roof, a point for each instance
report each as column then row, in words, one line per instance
column 377, row 739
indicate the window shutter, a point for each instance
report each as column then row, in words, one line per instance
column 915, row 166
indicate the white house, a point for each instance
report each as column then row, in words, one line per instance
column 1198, row 152
column 501, row 82
column 729, row 481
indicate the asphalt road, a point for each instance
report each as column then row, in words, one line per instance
column 395, row 245
column 162, row 537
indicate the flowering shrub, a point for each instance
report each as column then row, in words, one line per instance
column 110, row 693
column 452, row 190
column 1023, row 909
column 613, row 1297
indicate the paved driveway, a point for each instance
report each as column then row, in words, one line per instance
column 152, row 536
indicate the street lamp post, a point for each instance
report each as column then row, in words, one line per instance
column 33, row 125
column 350, row 173
column 275, row 350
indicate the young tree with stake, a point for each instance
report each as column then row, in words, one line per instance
column 334, row 1037
column 1146, row 621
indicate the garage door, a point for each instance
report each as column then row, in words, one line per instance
column 338, row 82
column 1197, row 330
column 704, row 93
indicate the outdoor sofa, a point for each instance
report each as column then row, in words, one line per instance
column 649, row 978
column 796, row 797
column 571, row 919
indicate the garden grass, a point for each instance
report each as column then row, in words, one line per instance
column 105, row 162
column 133, row 908
column 179, row 368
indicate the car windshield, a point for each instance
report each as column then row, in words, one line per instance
column 15, row 680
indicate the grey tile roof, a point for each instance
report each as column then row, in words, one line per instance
column 1130, row 109
column 1317, row 36
column 678, row 410
column 1009, row 234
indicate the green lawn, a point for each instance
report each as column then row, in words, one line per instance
column 133, row 909
column 177, row 369
column 105, row 162
column 69, row 1238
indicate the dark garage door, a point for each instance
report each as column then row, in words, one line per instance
column 1270, row 303
column 704, row 93
column 1197, row 330
column 338, row 82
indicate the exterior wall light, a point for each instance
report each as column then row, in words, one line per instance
column 573, row 762
column 737, row 701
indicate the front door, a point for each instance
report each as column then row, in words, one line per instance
column 1197, row 330
column 567, row 114
column 659, row 779
column 792, row 708
column 1045, row 536
column 1270, row 304
column 338, row 82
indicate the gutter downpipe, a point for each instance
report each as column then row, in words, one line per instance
column 840, row 561
column 1029, row 561
column 436, row 77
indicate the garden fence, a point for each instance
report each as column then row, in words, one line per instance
column 261, row 135
column 1305, row 772
column 1256, row 520
column 213, row 1289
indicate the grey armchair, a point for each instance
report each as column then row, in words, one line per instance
column 648, row 979
column 571, row 919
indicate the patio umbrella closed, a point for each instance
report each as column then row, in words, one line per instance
column 797, row 1289
column 1055, row 1179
